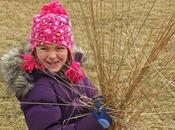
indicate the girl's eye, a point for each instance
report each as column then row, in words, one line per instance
column 60, row 48
column 43, row 48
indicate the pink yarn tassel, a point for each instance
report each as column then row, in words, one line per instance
column 30, row 63
column 75, row 73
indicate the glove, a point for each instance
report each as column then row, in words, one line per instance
column 101, row 114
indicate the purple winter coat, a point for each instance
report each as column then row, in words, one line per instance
column 51, row 116
column 42, row 97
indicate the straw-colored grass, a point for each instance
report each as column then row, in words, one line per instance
column 131, row 57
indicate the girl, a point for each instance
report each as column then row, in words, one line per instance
column 53, row 91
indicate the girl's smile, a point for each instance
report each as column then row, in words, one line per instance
column 52, row 56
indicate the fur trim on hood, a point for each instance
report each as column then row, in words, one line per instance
column 14, row 76
column 16, row 79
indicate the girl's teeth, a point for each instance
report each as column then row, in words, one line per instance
column 53, row 63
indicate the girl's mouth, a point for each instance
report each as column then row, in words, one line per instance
column 53, row 64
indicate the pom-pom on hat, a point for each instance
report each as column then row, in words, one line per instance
column 52, row 26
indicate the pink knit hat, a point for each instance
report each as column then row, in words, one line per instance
column 52, row 26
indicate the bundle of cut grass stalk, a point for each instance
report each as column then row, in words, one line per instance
column 132, row 48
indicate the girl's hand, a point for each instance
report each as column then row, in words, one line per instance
column 101, row 113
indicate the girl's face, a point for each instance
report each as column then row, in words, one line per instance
column 52, row 56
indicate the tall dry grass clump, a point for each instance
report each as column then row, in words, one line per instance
column 132, row 48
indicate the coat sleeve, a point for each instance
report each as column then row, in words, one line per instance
column 91, row 89
column 43, row 113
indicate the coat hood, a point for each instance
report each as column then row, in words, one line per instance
column 17, row 79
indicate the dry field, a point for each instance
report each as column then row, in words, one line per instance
column 15, row 26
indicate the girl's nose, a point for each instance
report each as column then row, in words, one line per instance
column 52, row 55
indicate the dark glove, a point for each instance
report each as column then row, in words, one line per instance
column 101, row 114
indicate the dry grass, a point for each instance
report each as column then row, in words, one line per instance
column 133, row 52
column 129, row 47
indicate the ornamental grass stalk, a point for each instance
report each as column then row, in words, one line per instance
column 133, row 54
